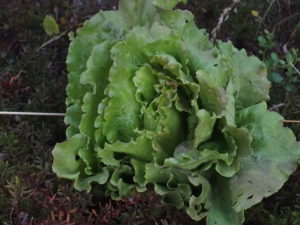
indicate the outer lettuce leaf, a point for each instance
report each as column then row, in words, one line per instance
column 82, row 45
column 197, row 204
column 96, row 76
column 249, row 76
column 221, row 211
column 140, row 149
column 118, row 180
column 67, row 165
column 112, row 27
column 275, row 157
column 137, row 12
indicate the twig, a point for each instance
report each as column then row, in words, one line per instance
column 223, row 17
column 276, row 107
column 31, row 113
column 285, row 20
column 295, row 68
column 51, row 40
column 279, row 7
column 264, row 16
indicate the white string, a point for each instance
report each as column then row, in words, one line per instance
column 30, row 113
column 63, row 114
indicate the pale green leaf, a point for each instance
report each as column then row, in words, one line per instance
column 275, row 156
column 50, row 25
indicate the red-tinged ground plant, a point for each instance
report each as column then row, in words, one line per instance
column 153, row 103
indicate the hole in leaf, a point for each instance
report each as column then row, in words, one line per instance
column 250, row 197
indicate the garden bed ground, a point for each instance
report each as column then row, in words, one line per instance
column 33, row 78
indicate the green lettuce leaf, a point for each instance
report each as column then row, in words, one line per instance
column 275, row 156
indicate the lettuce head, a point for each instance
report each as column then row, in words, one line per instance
column 153, row 104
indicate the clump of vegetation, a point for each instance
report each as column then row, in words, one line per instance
column 150, row 100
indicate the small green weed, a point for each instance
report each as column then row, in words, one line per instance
column 282, row 70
